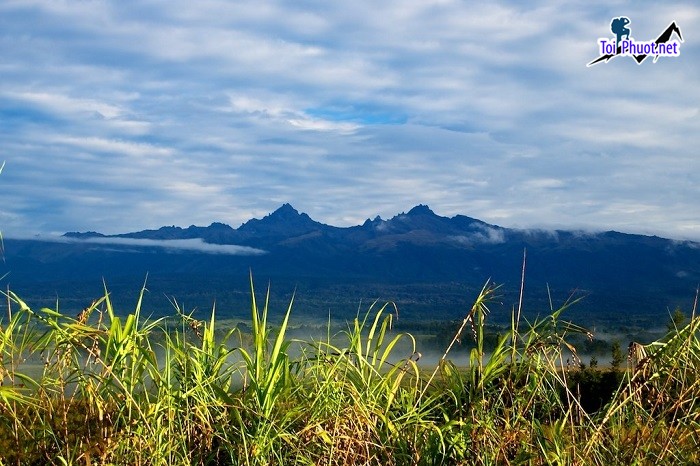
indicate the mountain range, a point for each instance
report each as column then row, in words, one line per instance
column 430, row 265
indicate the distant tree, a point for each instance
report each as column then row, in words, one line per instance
column 593, row 362
column 243, row 327
column 676, row 321
column 616, row 360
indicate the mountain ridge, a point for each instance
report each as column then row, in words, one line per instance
column 287, row 221
column 412, row 250
column 419, row 224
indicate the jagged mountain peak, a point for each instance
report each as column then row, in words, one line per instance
column 284, row 214
column 285, row 221
column 286, row 209
column 372, row 223
column 420, row 209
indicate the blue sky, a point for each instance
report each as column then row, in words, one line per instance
column 120, row 116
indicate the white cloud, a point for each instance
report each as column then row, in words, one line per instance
column 121, row 116
column 543, row 183
column 486, row 235
column 64, row 104
column 94, row 144
column 194, row 244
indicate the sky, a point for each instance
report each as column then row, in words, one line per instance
column 118, row 116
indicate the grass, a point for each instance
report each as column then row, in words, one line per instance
column 109, row 388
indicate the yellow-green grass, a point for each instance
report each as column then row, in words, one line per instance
column 106, row 387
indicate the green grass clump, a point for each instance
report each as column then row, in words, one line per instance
column 108, row 388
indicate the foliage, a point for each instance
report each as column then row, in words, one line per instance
column 109, row 388
column 676, row 321
column 616, row 354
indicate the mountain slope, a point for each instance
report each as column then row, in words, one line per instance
column 413, row 250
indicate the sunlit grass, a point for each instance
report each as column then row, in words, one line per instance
column 108, row 387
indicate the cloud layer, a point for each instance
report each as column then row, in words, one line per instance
column 138, row 244
column 122, row 116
